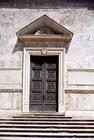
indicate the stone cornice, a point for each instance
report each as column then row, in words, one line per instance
column 46, row 38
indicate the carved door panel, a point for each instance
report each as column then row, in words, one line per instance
column 44, row 83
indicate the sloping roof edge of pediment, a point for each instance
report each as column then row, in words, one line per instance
column 44, row 21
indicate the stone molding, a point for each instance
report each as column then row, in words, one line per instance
column 46, row 38
column 66, row 91
column 10, row 90
column 79, row 91
column 80, row 70
column 9, row 68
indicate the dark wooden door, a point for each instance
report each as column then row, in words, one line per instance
column 44, row 83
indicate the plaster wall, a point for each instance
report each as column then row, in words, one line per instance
column 79, row 57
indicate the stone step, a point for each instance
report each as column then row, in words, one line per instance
column 41, row 119
column 48, row 119
column 41, row 116
column 42, row 138
column 58, row 126
column 48, row 135
column 46, row 126
column 55, row 130
column 47, row 122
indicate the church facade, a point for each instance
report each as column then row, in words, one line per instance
column 47, row 58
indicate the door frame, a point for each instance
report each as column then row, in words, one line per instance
column 26, row 74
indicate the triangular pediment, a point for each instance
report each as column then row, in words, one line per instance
column 44, row 23
column 44, row 29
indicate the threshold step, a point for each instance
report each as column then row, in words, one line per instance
column 41, row 116
column 42, row 113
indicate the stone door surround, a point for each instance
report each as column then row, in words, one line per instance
column 60, row 52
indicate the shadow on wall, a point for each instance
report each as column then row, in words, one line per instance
column 47, row 4
column 19, row 46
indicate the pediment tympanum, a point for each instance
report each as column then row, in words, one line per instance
column 44, row 29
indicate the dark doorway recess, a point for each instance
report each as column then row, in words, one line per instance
column 43, row 84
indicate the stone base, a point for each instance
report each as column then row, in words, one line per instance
column 82, row 114
column 8, row 113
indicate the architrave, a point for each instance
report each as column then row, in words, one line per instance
column 26, row 74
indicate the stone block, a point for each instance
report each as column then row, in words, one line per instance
column 10, row 78
column 79, row 102
column 10, row 101
column 80, row 77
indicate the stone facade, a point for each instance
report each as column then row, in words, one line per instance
column 79, row 83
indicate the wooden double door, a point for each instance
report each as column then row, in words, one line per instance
column 43, row 84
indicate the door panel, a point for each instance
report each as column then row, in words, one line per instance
column 44, row 83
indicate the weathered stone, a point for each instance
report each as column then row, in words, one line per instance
column 10, row 101
column 80, row 54
column 80, row 102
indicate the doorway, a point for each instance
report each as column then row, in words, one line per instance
column 43, row 84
